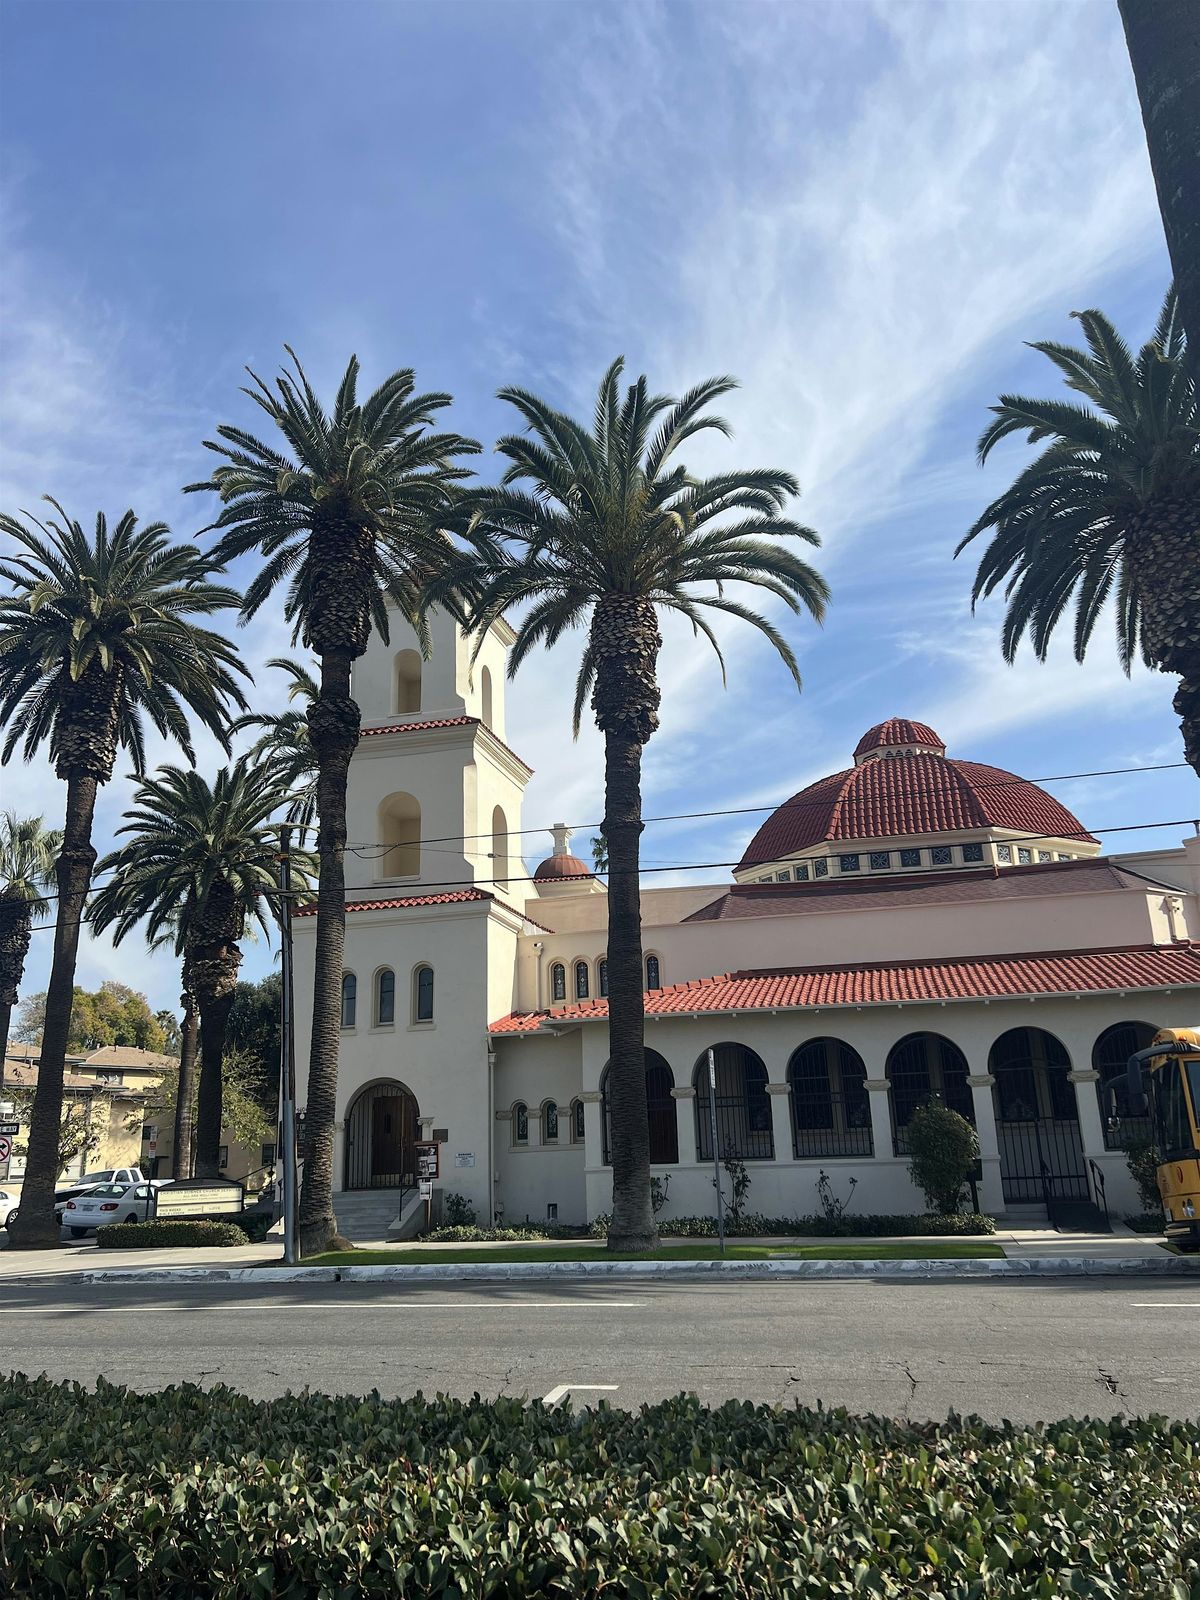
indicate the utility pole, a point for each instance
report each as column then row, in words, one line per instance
column 712, row 1112
column 287, row 1053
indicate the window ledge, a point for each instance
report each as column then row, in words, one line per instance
column 421, row 1027
column 383, row 1027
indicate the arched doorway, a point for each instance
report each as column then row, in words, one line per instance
column 660, row 1112
column 1037, row 1120
column 381, row 1137
column 831, row 1109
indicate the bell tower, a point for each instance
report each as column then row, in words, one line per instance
column 434, row 798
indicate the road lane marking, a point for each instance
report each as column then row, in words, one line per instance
column 562, row 1389
column 1166, row 1305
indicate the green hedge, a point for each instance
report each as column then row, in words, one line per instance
column 1147, row 1221
column 206, row 1495
column 165, row 1235
column 751, row 1225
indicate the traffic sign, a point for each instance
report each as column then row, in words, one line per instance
column 10, row 1128
column 5, row 1147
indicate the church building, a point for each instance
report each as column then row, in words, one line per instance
column 914, row 923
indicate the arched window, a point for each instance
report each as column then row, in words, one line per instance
column 831, row 1110
column 742, row 1104
column 520, row 1123
column 499, row 845
column 349, row 999
column 1110, row 1058
column 385, row 997
column 408, row 682
column 485, row 696
column 558, row 981
column 660, row 1111
column 581, row 980
column 920, row 1066
column 602, row 978
column 653, row 973
column 550, row 1122
column 423, row 994
column 400, row 836
column 577, row 1122
column 1030, row 1067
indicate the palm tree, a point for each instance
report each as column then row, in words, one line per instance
column 1163, row 37
column 1108, row 509
column 348, row 517
column 200, row 863
column 285, row 744
column 610, row 531
column 27, row 852
column 96, row 638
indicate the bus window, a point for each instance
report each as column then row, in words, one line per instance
column 1171, row 1113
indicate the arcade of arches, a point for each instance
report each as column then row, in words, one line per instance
column 1027, row 1107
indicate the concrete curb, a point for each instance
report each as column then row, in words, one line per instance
column 505, row 1272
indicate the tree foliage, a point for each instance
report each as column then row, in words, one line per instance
column 943, row 1149
column 113, row 1014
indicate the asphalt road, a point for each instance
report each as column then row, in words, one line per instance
column 1026, row 1351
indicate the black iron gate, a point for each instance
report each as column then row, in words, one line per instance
column 1042, row 1160
column 381, row 1136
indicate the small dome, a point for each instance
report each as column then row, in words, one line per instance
column 561, row 867
column 562, row 864
column 899, row 732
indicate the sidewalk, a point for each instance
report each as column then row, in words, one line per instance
column 1041, row 1245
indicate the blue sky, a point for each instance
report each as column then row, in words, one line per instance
column 861, row 209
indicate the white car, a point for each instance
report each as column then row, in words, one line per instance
column 108, row 1202
column 8, row 1208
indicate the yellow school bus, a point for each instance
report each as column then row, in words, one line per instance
column 1167, row 1074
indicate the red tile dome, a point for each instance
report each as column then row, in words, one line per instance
column 555, row 867
column 911, row 794
column 899, row 731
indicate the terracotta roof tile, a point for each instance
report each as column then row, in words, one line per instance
column 897, row 731
column 892, row 983
column 449, row 898
column 908, row 796
column 441, row 722
column 895, row 891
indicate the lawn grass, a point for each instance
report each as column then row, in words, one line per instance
column 444, row 1255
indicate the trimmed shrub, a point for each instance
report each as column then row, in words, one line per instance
column 1146, row 1221
column 1142, row 1161
column 457, row 1210
column 752, row 1225
column 943, row 1147
column 469, row 1234
column 165, row 1235
column 191, row 1494
column 254, row 1225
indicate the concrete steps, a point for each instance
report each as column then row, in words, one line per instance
column 367, row 1214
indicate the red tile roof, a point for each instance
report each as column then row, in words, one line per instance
column 555, row 869
column 419, row 727
column 898, row 982
column 898, row 731
column 908, row 796
column 441, row 722
column 896, row 891
column 448, row 898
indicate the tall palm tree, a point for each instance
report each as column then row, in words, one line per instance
column 199, row 864
column 1163, row 37
column 27, row 854
column 610, row 531
column 1110, row 508
column 283, row 741
column 96, row 638
column 347, row 514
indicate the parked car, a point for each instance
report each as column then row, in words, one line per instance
column 8, row 1207
column 108, row 1202
column 90, row 1181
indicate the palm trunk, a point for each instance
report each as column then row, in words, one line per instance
column 632, row 1226
column 1161, row 545
column 1187, row 707
column 181, row 1163
column 333, row 730
column 35, row 1226
column 1163, row 37
column 214, row 1015
column 16, row 925
column 625, row 642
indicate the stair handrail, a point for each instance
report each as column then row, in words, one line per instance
column 1097, row 1177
